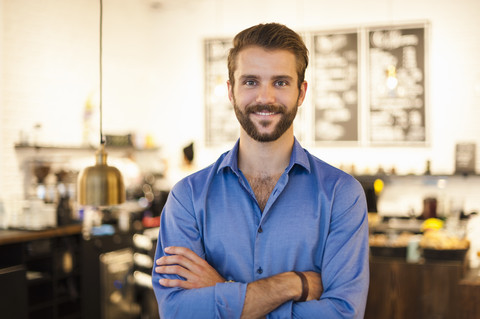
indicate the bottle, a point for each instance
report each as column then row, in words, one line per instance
column 427, row 168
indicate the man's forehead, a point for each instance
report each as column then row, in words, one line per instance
column 256, row 49
column 256, row 60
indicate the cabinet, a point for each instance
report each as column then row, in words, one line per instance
column 13, row 276
column 427, row 290
column 98, row 284
column 43, row 273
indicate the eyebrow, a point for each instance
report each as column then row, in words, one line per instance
column 283, row 77
column 275, row 77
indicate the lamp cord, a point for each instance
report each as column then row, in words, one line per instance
column 101, row 72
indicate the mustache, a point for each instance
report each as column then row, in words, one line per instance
column 265, row 108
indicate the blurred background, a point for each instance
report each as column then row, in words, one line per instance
column 164, row 95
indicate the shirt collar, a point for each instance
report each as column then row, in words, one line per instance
column 299, row 156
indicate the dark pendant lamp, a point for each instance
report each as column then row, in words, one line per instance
column 100, row 185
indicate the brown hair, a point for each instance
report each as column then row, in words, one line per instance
column 269, row 36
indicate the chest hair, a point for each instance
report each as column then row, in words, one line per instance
column 262, row 186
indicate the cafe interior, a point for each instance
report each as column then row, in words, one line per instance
column 136, row 90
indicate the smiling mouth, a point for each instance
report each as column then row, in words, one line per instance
column 265, row 113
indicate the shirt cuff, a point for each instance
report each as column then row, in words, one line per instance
column 229, row 299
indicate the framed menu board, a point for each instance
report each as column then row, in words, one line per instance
column 465, row 158
column 221, row 125
column 335, row 76
column 397, row 90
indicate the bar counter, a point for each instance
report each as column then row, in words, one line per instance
column 398, row 289
column 18, row 236
column 44, row 272
column 428, row 289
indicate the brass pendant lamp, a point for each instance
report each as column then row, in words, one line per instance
column 100, row 185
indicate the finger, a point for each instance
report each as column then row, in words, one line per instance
column 167, row 260
column 183, row 251
column 176, row 260
column 184, row 257
column 175, row 283
column 173, row 270
column 175, row 255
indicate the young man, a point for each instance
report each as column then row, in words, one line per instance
column 268, row 229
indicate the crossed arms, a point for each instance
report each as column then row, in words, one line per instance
column 189, row 279
column 262, row 296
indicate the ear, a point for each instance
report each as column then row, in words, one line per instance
column 303, row 93
column 230, row 91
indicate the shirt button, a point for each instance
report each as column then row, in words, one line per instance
column 260, row 230
column 259, row 270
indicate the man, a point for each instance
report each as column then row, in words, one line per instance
column 268, row 230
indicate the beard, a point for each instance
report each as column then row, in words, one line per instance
column 285, row 122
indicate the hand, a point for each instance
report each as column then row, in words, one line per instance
column 315, row 286
column 185, row 263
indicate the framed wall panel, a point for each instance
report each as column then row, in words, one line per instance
column 221, row 125
column 397, row 85
column 335, row 91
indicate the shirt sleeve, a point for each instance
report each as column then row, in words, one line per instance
column 179, row 228
column 345, row 266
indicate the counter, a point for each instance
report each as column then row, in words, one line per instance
column 43, row 272
column 19, row 236
column 439, row 289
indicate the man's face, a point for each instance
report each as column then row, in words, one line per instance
column 265, row 95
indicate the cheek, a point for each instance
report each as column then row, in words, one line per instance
column 288, row 99
column 244, row 97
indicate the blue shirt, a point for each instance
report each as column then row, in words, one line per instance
column 314, row 220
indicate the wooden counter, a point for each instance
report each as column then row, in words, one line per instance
column 19, row 236
column 470, row 294
column 43, row 272
column 440, row 289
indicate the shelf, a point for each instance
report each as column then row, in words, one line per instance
column 47, row 147
column 19, row 236
column 37, row 278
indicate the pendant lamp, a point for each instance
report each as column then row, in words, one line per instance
column 100, row 185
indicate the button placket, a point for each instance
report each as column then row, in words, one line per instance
column 258, row 270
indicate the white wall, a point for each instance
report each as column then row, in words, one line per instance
column 153, row 71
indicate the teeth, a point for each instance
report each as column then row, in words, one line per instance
column 265, row 113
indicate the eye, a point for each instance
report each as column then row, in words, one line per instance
column 281, row 83
column 250, row 82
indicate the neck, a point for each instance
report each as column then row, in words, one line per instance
column 264, row 158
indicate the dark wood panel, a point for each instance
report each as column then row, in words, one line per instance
column 426, row 290
column 440, row 289
column 469, row 296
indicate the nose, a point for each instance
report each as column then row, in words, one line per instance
column 266, row 95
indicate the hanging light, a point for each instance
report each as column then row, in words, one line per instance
column 100, row 185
